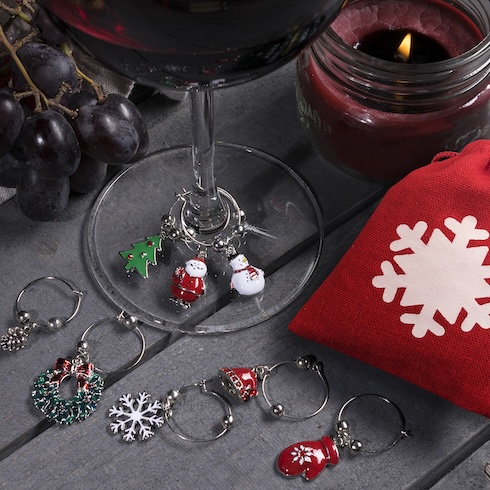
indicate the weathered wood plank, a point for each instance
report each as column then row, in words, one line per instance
column 471, row 474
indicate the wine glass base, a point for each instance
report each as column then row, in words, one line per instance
column 284, row 238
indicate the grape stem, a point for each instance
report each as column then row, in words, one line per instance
column 25, row 39
column 35, row 91
column 95, row 86
column 38, row 95
column 17, row 11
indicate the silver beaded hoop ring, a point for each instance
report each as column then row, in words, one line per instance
column 344, row 437
column 16, row 337
column 309, row 363
column 175, row 395
column 128, row 321
column 242, row 383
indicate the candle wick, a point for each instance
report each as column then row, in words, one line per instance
column 399, row 57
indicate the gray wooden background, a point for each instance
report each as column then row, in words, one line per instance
column 449, row 448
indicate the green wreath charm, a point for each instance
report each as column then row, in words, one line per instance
column 46, row 394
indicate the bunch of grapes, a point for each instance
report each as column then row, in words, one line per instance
column 58, row 130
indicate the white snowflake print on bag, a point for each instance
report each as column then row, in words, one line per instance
column 443, row 274
column 136, row 417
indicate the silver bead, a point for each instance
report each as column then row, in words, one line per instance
column 302, row 362
column 277, row 410
column 307, row 362
column 191, row 231
column 167, row 220
column 172, row 396
column 174, row 234
column 342, row 426
column 23, row 317
column 228, row 421
column 131, row 321
column 219, row 244
column 239, row 230
column 54, row 324
column 82, row 347
column 355, row 446
column 127, row 320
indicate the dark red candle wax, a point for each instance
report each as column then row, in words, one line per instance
column 385, row 45
column 439, row 21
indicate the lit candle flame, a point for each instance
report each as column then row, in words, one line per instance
column 403, row 50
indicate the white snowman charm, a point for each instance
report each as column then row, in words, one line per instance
column 247, row 279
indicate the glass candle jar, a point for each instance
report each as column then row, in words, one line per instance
column 378, row 113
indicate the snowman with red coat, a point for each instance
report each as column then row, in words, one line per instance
column 187, row 282
column 247, row 279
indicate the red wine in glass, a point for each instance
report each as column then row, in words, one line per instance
column 184, row 43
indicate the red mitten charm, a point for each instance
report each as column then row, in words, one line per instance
column 308, row 458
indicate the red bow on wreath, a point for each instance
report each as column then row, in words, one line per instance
column 65, row 367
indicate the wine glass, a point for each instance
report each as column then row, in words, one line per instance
column 200, row 46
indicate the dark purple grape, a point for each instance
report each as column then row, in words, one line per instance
column 17, row 29
column 18, row 151
column 51, row 145
column 10, row 167
column 106, row 136
column 11, row 121
column 48, row 32
column 5, row 70
column 79, row 99
column 48, row 67
column 131, row 113
column 89, row 175
column 41, row 199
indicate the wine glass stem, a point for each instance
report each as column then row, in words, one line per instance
column 204, row 210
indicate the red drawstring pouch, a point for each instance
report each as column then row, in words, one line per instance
column 412, row 294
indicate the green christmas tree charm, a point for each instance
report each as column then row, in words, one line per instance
column 142, row 254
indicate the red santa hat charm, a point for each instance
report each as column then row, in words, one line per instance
column 239, row 382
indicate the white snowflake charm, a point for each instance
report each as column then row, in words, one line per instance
column 444, row 274
column 136, row 417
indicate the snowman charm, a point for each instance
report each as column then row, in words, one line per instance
column 187, row 282
column 247, row 279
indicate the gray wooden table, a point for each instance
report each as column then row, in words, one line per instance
column 449, row 448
